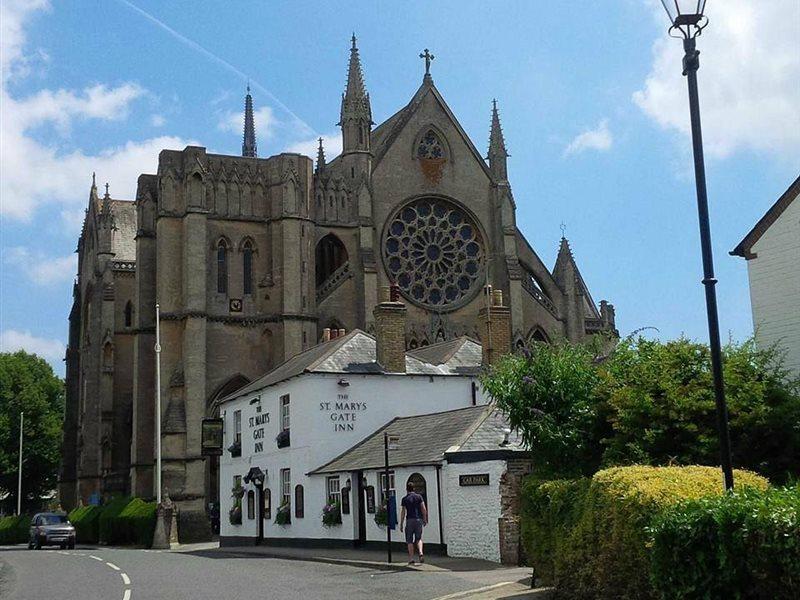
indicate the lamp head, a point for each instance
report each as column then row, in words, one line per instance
column 686, row 17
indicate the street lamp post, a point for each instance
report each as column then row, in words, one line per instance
column 389, row 443
column 19, row 472
column 687, row 22
column 158, row 405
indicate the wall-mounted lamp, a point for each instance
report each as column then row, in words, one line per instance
column 506, row 433
column 344, row 382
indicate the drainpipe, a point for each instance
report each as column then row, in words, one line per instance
column 439, row 501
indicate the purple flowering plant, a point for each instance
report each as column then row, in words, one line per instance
column 332, row 514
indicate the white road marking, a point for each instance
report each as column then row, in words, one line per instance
column 95, row 557
column 127, row 594
column 113, row 566
column 468, row 593
column 125, row 579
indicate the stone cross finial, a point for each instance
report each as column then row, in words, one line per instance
column 428, row 58
column 563, row 229
column 106, row 188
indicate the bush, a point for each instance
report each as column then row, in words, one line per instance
column 14, row 529
column 109, row 527
column 86, row 520
column 741, row 545
column 137, row 521
column 589, row 537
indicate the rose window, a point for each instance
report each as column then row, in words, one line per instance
column 434, row 252
column 430, row 146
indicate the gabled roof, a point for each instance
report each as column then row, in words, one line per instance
column 744, row 247
column 426, row 439
column 356, row 353
column 384, row 134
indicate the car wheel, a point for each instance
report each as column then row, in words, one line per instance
column 38, row 544
column 63, row 545
column 71, row 545
column 30, row 545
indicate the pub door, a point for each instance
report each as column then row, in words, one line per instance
column 361, row 508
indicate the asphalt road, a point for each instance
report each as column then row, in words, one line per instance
column 134, row 574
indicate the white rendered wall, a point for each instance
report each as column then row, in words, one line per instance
column 319, row 433
column 775, row 285
column 471, row 513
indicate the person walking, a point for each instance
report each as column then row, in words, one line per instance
column 414, row 514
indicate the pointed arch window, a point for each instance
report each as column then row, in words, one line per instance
column 222, row 267
column 247, row 267
column 430, row 146
column 128, row 314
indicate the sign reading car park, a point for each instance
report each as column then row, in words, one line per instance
column 474, row 479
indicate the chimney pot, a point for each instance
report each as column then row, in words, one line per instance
column 342, row 332
column 326, row 334
column 384, row 294
column 497, row 297
column 394, row 293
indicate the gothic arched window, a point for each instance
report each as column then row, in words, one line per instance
column 430, row 146
column 330, row 254
column 247, row 267
column 128, row 314
column 222, row 267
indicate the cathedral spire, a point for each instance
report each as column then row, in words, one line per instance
column 497, row 147
column 355, row 117
column 320, row 157
column 249, row 142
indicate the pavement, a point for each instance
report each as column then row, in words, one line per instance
column 206, row 572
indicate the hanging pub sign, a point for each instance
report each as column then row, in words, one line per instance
column 370, row 490
column 474, row 479
column 211, row 437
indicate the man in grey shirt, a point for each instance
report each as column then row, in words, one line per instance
column 414, row 514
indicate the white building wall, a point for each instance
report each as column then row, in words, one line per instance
column 775, row 285
column 472, row 512
column 326, row 420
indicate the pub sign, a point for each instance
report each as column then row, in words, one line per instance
column 211, row 437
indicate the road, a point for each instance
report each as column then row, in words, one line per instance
column 135, row 574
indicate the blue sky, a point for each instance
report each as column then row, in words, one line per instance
column 592, row 103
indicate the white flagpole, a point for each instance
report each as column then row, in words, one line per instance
column 19, row 474
column 158, row 406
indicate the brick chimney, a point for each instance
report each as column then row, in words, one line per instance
column 495, row 326
column 390, row 330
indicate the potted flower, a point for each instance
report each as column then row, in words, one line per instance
column 283, row 516
column 235, row 514
column 235, row 449
column 382, row 516
column 332, row 514
column 283, row 439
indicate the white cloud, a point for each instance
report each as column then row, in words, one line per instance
column 748, row 78
column 157, row 120
column 35, row 173
column 263, row 117
column 39, row 268
column 332, row 142
column 599, row 138
column 51, row 350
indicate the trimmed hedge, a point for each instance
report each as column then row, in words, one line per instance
column 109, row 529
column 741, row 545
column 137, row 522
column 86, row 520
column 589, row 537
column 15, row 529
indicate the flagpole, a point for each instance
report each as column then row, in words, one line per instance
column 19, row 474
column 158, row 406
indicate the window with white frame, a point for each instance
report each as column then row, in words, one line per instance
column 382, row 480
column 286, row 486
column 285, row 412
column 237, row 427
column 334, row 490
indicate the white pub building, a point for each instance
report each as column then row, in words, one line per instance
column 309, row 437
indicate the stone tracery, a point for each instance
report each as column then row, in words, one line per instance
column 434, row 251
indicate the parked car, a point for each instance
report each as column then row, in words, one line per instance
column 51, row 529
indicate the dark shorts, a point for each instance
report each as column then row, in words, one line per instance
column 413, row 530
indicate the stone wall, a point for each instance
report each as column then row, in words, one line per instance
column 510, row 507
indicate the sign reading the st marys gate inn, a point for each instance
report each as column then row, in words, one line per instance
column 342, row 412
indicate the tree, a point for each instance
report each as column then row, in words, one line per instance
column 548, row 395
column 659, row 399
column 27, row 383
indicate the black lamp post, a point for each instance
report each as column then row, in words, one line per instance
column 688, row 21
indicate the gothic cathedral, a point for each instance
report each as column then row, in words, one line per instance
column 251, row 258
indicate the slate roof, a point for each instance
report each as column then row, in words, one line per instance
column 744, row 247
column 426, row 439
column 124, row 239
column 355, row 353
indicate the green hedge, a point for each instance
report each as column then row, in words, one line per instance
column 109, row 527
column 589, row 537
column 15, row 530
column 138, row 522
column 744, row 545
column 86, row 520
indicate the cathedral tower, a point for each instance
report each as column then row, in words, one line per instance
column 249, row 147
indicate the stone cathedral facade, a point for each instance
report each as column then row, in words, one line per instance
column 251, row 258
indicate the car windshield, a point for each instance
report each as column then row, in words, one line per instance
column 53, row 519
